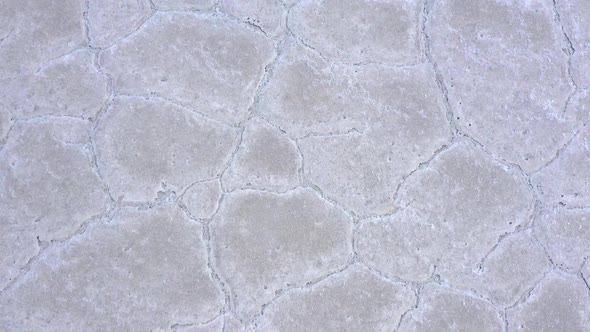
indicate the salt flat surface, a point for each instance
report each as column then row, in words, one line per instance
column 266, row 165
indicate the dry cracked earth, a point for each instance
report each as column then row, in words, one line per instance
column 337, row 165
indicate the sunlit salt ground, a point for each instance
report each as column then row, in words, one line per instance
column 337, row 165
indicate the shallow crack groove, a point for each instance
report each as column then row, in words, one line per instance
column 7, row 36
column 438, row 74
column 585, row 278
column 188, row 213
column 318, row 191
column 330, row 134
column 383, row 64
column 569, row 50
column 232, row 156
column 214, row 13
column 47, row 245
column 92, row 134
column 354, row 241
column 264, row 79
column 250, row 25
column 479, row 265
column 257, row 27
column 96, row 168
column 471, row 292
column 332, row 62
column 545, row 250
column 160, row 98
column 138, row 25
column 390, row 279
column 300, row 40
column 141, row 24
column 85, row 14
column 43, row 65
column 263, row 190
column 44, row 117
column 420, row 166
column 301, row 170
column 505, row 320
column 4, row 139
column 417, row 291
column 521, row 226
column 528, row 292
column 583, row 207
column 286, row 6
column 213, row 272
column 175, row 327
column 217, row 279
column 562, row 149
column 281, row 292
column 295, row 142
column 179, row 199
column 538, row 205
column 210, row 10
column 506, row 164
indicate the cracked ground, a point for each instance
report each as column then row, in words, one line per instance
column 337, row 165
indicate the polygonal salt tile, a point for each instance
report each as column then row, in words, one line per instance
column 353, row 171
column 559, row 303
column 443, row 309
column 199, row 70
column 352, row 300
column 264, row 242
column 266, row 159
column 402, row 126
column 453, row 212
column 360, row 31
column 48, row 188
column 496, row 61
column 566, row 235
column 306, row 95
column 68, row 86
column 202, row 198
column 35, row 32
column 467, row 195
column 145, row 146
column 401, row 246
column 118, row 275
column 113, row 20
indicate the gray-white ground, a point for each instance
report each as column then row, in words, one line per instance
column 337, row 165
